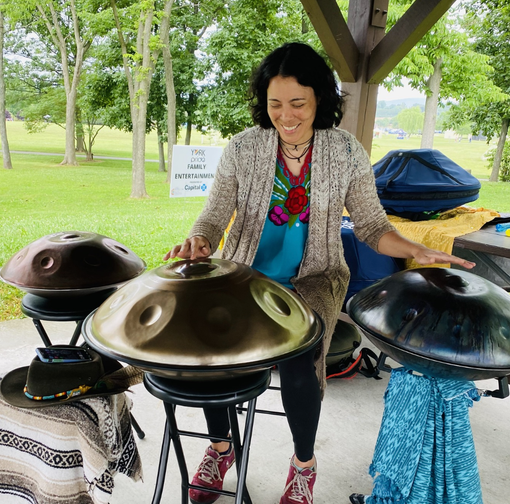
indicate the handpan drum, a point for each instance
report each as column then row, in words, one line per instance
column 207, row 318
column 71, row 263
column 441, row 322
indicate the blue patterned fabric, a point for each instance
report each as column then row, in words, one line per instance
column 425, row 452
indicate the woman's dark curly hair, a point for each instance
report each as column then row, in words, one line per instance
column 309, row 69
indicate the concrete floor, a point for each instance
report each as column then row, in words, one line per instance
column 350, row 420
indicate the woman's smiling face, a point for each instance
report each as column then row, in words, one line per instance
column 291, row 108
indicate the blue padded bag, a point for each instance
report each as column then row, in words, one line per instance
column 365, row 264
column 419, row 184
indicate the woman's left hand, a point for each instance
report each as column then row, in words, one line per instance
column 426, row 256
column 395, row 245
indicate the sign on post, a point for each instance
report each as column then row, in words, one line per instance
column 193, row 170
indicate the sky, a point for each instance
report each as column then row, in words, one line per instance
column 399, row 93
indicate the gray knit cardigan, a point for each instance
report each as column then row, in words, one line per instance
column 341, row 175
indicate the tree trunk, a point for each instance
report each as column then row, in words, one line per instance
column 87, row 146
column 138, row 166
column 6, row 153
column 80, row 134
column 161, row 151
column 70, row 152
column 139, row 119
column 70, row 84
column 139, row 98
column 170, row 94
column 429, row 122
column 139, row 78
column 187, row 141
column 499, row 151
column 80, row 144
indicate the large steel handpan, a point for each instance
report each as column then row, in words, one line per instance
column 441, row 322
column 208, row 318
column 71, row 263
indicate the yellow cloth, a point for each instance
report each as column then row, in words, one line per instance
column 225, row 234
column 440, row 233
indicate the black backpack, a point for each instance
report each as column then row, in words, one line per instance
column 340, row 360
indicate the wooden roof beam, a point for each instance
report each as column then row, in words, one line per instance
column 335, row 36
column 405, row 34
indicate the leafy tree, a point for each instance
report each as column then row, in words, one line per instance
column 384, row 122
column 29, row 71
column 157, row 112
column 50, row 108
column 6, row 153
column 138, row 27
column 249, row 31
column 171, row 122
column 192, row 20
column 35, row 90
column 444, row 66
column 389, row 110
column 90, row 112
column 183, row 68
column 488, row 23
column 62, row 27
column 105, row 94
column 410, row 120
column 504, row 169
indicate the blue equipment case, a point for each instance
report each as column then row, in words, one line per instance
column 419, row 184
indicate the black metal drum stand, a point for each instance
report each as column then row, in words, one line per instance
column 207, row 393
column 73, row 308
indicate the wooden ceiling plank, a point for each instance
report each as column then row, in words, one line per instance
column 404, row 35
column 335, row 36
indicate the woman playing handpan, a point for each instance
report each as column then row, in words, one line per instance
column 288, row 179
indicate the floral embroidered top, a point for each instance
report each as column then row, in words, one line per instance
column 283, row 239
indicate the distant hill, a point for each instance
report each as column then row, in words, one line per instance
column 408, row 102
column 388, row 110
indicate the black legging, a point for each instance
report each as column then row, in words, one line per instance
column 301, row 397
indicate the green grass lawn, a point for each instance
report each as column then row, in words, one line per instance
column 39, row 197
column 108, row 142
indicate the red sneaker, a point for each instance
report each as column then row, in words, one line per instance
column 210, row 473
column 299, row 487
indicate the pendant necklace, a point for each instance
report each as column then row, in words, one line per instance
column 287, row 151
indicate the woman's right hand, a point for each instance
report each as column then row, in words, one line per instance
column 195, row 247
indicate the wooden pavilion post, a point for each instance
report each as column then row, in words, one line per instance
column 366, row 22
column 363, row 54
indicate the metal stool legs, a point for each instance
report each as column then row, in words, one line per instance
column 242, row 450
column 172, row 433
column 42, row 332
column 44, row 335
column 139, row 432
column 163, row 461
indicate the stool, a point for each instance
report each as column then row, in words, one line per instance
column 226, row 393
column 73, row 308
